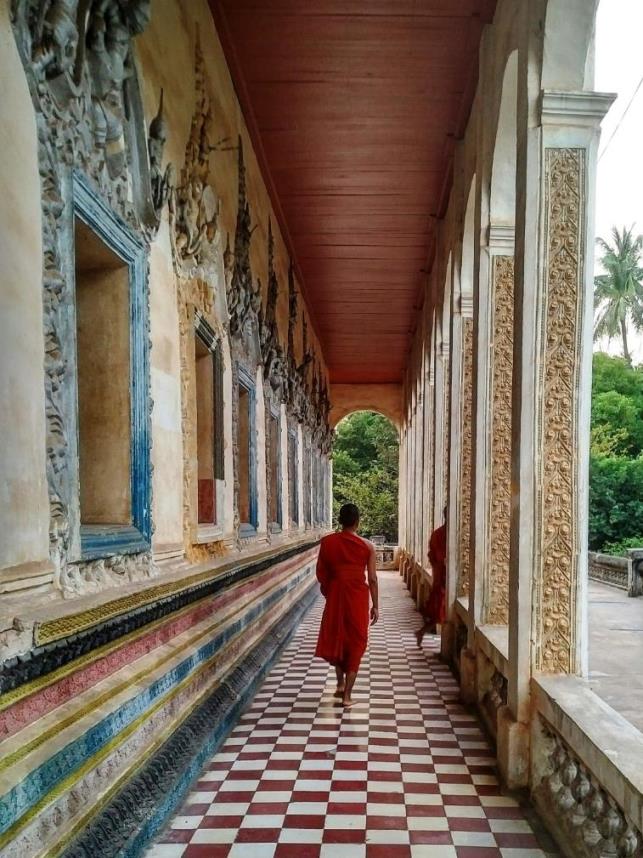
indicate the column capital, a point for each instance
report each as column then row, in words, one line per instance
column 466, row 306
column 585, row 109
column 500, row 238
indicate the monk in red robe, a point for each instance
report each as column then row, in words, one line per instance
column 434, row 611
column 344, row 558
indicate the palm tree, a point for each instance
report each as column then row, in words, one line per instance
column 618, row 294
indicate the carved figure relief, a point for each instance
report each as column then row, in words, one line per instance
column 500, row 472
column 563, row 299
column 465, row 463
column 243, row 297
column 194, row 205
column 81, row 74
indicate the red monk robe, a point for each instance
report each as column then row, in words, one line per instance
column 435, row 608
column 341, row 568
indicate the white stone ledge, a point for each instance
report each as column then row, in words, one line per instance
column 462, row 608
column 494, row 642
column 609, row 746
column 27, row 610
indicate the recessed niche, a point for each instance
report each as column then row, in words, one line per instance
column 246, row 460
column 274, row 459
column 293, row 482
column 103, row 363
column 205, row 431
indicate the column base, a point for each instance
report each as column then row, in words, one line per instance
column 468, row 684
column 512, row 750
column 447, row 642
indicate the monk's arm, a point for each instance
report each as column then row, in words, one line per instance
column 322, row 570
column 372, row 584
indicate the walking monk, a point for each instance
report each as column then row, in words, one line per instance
column 344, row 557
column 434, row 610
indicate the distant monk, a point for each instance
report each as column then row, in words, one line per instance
column 434, row 610
column 344, row 557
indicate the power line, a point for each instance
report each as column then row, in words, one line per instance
column 623, row 115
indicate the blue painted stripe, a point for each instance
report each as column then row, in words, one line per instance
column 42, row 780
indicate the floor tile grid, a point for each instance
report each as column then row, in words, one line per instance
column 407, row 772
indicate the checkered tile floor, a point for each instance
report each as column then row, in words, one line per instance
column 407, row 773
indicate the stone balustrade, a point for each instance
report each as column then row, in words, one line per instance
column 589, row 792
column 625, row 573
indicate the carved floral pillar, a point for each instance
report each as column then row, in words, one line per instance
column 496, row 582
column 464, row 482
column 551, row 394
column 492, row 428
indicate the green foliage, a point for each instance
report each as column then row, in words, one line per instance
column 618, row 293
column 365, row 472
column 620, row 548
column 616, row 461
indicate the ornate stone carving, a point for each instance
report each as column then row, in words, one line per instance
column 161, row 180
column 80, row 69
column 562, row 308
column 243, row 297
column 194, row 206
column 446, row 397
column 465, row 461
column 589, row 819
column 272, row 352
column 499, row 477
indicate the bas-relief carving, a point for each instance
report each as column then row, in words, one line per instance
column 81, row 74
column 561, row 314
column 200, row 271
column 499, row 478
column 446, row 443
column 465, row 463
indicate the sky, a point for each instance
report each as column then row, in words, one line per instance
column 619, row 69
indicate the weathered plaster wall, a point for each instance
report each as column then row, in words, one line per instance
column 24, row 512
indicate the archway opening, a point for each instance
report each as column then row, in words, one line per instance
column 366, row 473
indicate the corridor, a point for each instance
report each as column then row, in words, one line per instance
column 408, row 773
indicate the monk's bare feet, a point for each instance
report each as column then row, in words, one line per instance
column 339, row 691
column 348, row 703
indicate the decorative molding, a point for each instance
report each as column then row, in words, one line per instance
column 137, row 811
column 464, row 522
column 59, row 642
column 499, row 475
column 501, row 238
column 559, row 107
column 563, row 297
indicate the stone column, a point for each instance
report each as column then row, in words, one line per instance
column 492, row 428
column 551, row 403
column 438, row 428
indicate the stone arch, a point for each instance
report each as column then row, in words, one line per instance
column 468, row 245
column 384, row 399
column 502, row 201
column 568, row 45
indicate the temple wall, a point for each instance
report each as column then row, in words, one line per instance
column 124, row 663
column 23, row 493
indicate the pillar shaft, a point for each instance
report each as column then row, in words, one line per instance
column 552, row 390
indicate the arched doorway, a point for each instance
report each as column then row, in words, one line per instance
column 366, row 472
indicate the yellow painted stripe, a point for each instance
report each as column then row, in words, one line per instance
column 9, row 760
column 51, row 630
column 92, row 762
column 56, row 850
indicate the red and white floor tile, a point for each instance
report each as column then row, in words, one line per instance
column 406, row 773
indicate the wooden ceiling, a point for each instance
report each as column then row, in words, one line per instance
column 354, row 107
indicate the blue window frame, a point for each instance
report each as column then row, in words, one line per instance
column 103, row 540
column 275, row 475
column 247, row 454
column 293, row 478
